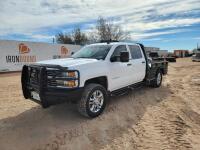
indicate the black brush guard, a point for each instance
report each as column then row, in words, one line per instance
column 48, row 95
column 27, row 88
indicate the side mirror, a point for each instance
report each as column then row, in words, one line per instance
column 124, row 56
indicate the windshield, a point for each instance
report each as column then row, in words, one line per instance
column 93, row 51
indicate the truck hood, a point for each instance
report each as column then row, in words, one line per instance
column 68, row 62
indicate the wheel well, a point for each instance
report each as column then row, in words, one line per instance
column 99, row 80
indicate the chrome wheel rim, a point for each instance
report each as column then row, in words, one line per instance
column 158, row 78
column 96, row 101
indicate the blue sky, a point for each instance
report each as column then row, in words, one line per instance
column 168, row 24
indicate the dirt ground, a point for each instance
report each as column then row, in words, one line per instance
column 164, row 118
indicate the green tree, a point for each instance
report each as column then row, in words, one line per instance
column 64, row 38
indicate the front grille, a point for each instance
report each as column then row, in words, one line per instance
column 51, row 82
column 51, row 75
column 48, row 76
column 42, row 77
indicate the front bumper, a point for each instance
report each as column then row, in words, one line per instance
column 48, row 95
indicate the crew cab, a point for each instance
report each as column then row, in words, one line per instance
column 91, row 75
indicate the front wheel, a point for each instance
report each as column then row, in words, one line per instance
column 93, row 100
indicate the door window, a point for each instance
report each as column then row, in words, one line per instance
column 116, row 53
column 119, row 49
column 135, row 51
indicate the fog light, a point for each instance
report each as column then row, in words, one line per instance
column 70, row 84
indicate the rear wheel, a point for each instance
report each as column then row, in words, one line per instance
column 158, row 80
column 44, row 104
column 93, row 100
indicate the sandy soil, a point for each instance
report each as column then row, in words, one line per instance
column 164, row 118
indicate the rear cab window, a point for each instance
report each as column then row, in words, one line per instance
column 135, row 52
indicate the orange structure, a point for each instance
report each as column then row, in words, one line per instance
column 181, row 53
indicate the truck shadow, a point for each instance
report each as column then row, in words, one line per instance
column 60, row 125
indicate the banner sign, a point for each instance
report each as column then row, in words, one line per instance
column 14, row 54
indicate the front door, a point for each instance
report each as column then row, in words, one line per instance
column 119, row 71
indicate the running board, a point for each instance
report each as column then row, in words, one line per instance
column 127, row 89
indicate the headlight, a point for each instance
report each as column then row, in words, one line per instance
column 64, row 79
column 72, row 74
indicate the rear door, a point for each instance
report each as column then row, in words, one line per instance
column 138, row 63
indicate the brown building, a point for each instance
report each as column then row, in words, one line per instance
column 181, row 53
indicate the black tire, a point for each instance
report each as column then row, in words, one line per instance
column 155, row 83
column 83, row 104
column 44, row 104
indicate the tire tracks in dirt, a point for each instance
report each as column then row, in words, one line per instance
column 170, row 124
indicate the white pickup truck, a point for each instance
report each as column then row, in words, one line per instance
column 91, row 75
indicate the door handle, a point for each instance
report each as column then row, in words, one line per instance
column 143, row 62
column 129, row 64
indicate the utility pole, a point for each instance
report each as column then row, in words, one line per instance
column 198, row 48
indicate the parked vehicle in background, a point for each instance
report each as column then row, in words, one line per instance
column 181, row 53
column 91, row 75
column 196, row 56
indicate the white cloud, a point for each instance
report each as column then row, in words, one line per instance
column 40, row 36
column 143, row 26
column 153, row 39
column 138, row 36
column 197, row 38
column 29, row 17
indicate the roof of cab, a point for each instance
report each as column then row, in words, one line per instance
column 115, row 43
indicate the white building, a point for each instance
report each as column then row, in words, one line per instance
column 14, row 54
